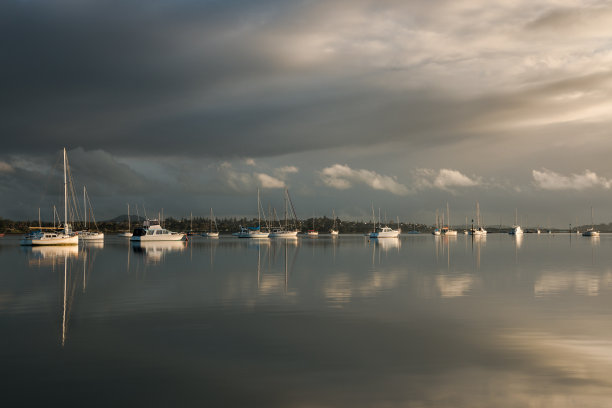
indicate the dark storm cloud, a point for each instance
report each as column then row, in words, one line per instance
column 196, row 78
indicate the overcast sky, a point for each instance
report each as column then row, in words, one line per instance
column 405, row 105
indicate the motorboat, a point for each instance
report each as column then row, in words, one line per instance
column 385, row 232
column 152, row 231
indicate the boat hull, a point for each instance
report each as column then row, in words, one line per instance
column 283, row 234
column 95, row 236
column 159, row 238
column 61, row 240
column 389, row 234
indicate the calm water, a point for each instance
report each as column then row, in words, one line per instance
column 419, row 322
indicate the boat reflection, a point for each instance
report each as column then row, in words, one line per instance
column 518, row 240
column 93, row 244
column 387, row 244
column 156, row 251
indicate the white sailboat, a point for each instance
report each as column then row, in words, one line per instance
column 591, row 232
column 87, row 235
column 479, row 230
column 447, row 231
column 128, row 233
column 254, row 232
column 313, row 233
column 436, row 230
column 53, row 237
column 334, row 230
column 211, row 233
column 287, row 231
column 516, row 228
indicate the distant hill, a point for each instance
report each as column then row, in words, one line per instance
column 124, row 218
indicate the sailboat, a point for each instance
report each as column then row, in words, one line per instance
column 516, row 229
column 87, row 235
column 479, row 230
column 52, row 236
column 312, row 232
column 211, row 233
column 436, row 230
column 128, row 233
column 254, row 232
column 447, row 230
column 334, row 230
column 285, row 231
column 590, row 232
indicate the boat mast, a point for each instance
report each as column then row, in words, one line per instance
column 65, row 197
column 84, row 210
column 373, row 218
column 448, row 216
column 258, row 211
column 129, row 223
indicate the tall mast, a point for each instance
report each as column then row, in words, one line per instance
column 65, row 196
column 84, row 210
column 258, row 211
column 129, row 223
column 515, row 216
column 448, row 216
column 373, row 218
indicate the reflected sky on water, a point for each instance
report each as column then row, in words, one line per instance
column 351, row 322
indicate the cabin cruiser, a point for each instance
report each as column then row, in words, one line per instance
column 152, row 231
column 385, row 232
column 516, row 230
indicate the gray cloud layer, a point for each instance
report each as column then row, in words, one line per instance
column 154, row 92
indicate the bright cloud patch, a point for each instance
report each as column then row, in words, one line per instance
column 241, row 180
column 342, row 177
column 267, row 181
column 444, row 179
column 6, row 168
column 550, row 180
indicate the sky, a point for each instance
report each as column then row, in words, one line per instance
column 404, row 106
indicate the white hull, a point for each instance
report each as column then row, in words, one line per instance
column 479, row 231
column 159, row 238
column 450, row 233
column 91, row 236
column 590, row 233
column 125, row 234
column 516, row 230
column 60, row 239
column 313, row 234
column 385, row 232
column 334, row 233
column 252, row 234
column 283, row 234
column 210, row 234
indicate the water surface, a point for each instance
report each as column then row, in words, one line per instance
column 422, row 321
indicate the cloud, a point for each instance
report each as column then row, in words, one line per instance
column 267, row 181
column 242, row 180
column 550, row 180
column 343, row 177
column 6, row 168
column 444, row 179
